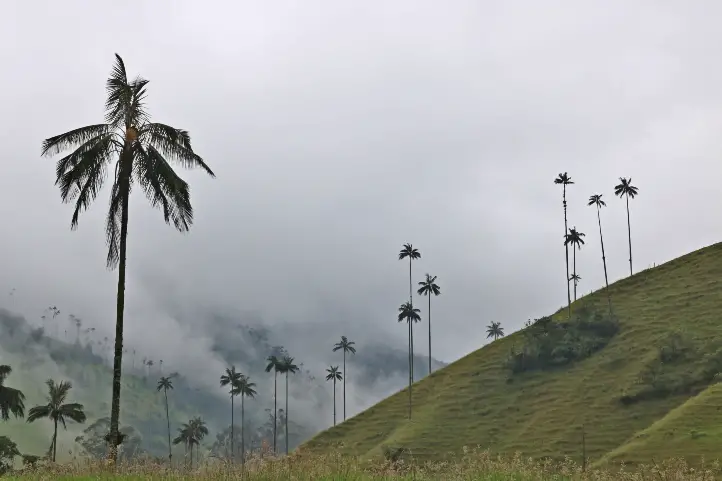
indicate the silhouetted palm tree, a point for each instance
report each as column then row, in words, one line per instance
column 574, row 238
column 199, row 431
column 185, row 436
column 575, row 278
column 494, row 330
column 409, row 252
column 286, row 366
column 428, row 287
column 143, row 152
column 166, row 384
column 625, row 188
column 273, row 365
column 346, row 346
column 409, row 314
column 56, row 410
column 244, row 388
column 596, row 200
column 564, row 180
column 231, row 378
column 334, row 375
column 11, row 400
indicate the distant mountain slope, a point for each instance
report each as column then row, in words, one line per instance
column 641, row 386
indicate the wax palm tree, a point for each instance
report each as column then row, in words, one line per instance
column 408, row 251
column 11, row 400
column 626, row 189
column 333, row 374
column 564, row 180
column 244, row 388
column 231, row 378
column 286, row 366
column 56, row 410
column 596, row 200
column 199, row 431
column 347, row 346
column 273, row 365
column 142, row 151
column 574, row 238
column 494, row 330
column 166, row 384
column 575, row 278
column 428, row 287
column 409, row 314
column 185, row 436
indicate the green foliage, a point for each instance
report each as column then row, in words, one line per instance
column 8, row 451
column 549, row 344
column 94, row 440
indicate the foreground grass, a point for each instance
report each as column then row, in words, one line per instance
column 474, row 465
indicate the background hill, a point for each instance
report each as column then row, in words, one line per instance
column 639, row 383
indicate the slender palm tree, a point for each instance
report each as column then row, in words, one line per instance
column 575, row 278
column 286, row 366
column 408, row 313
column 185, row 436
column 143, row 152
column 56, row 410
column 428, row 287
column 199, row 431
column 564, row 180
column 231, row 378
column 273, row 365
column 11, row 400
column 347, row 346
column 244, row 388
column 626, row 189
column 596, row 200
column 408, row 251
column 333, row 374
column 494, row 330
column 166, row 384
column 574, row 238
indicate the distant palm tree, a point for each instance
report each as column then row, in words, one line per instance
column 143, row 152
column 409, row 314
column 574, row 238
column 11, row 400
column 494, row 330
column 56, row 410
column 231, row 378
column 273, row 365
column 166, row 384
column 287, row 367
column 244, row 388
column 346, row 346
column 596, row 200
column 185, row 436
column 428, row 287
column 625, row 188
column 334, row 375
column 575, row 278
column 409, row 252
column 564, row 180
column 199, row 431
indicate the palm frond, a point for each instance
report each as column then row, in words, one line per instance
column 175, row 144
column 68, row 140
column 39, row 412
column 11, row 402
column 112, row 225
column 5, row 371
column 73, row 411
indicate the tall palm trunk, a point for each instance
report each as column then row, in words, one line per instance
column 55, row 439
column 429, row 333
column 566, row 250
column 275, row 409
column 167, row 417
column 334, row 402
column 286, row 413
column 118, row 353
column 629, row 231
column 411, row 342
column 243, row 438
column 574, row 270
column 233, row 452
column 344, row 384
column 604, row 261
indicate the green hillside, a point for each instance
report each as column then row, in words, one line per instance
column 642, row 382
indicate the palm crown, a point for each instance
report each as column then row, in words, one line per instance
column 494, row 330
column 596, row 200
column 11, row 400
column 274, row 364
column 245, row 387
column 625, row 187
column 346, row 345
column 231, row 378
column 165, row 383
column 428, row 286
column 333, row 374
column 574, row 237
column 409, row 251
column 408, row 313
column 286, row 365
column 563, row 179
column 56, row 409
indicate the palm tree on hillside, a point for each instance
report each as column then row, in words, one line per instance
column 56, row 410
column 575, row 278
column 244, row 388
column 166, row 384
column 428, row 287
column 346, row 346
column 564, row 180
column 494, row 330
column 287, row 367
column 408, row 313
column 142, row 152
column 334, row 375
column 231, row 378
column 408, row 251
column 273, row 365
column 625, row 188
column 574, row 238
column 596, row 200
column 11, row 400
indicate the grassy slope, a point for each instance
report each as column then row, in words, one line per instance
column 471, row 403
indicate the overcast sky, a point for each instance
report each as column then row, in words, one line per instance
column 341, row 130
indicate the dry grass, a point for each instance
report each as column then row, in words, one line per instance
column 472, row 465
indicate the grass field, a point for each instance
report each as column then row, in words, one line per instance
column 475, row 401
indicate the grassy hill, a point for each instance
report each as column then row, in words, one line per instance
column 646, row 388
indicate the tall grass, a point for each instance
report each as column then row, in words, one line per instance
column 473, row 465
